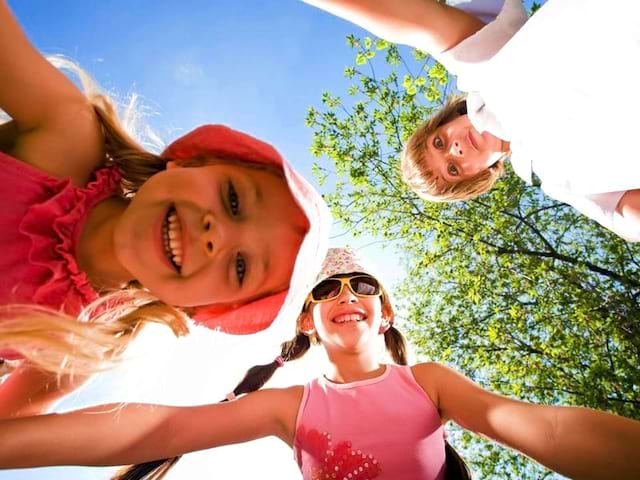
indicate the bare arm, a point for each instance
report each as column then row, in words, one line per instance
column 577, row 442
column 425, row 24
column 54, row 126
column 134, row 433
column 629, row 208
column 29, row 391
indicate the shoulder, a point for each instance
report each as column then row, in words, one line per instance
column 284, row 404
column 292, row 394
column 427, row 369
column 435, row 376
column 69, row 145
column 428, row 375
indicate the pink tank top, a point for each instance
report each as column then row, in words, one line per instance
column 40, row 223
column 382, row 428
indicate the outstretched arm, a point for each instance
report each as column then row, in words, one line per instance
column 425, row 24
column 134, row 433
column 54, row 127
column 30, row 391
column 577, row 442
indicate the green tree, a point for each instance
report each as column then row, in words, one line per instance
column 518, row 291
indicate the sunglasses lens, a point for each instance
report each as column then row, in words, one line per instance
column 365, row 285
column 327, row 289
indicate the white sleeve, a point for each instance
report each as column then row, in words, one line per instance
column 484, row 10
column 600, row 207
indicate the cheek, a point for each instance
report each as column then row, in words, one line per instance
column 286, row 245
column 320, row 314
column 191, row 184
column 280, row 203
column 494, row 144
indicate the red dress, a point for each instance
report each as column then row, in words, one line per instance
column 40, row 223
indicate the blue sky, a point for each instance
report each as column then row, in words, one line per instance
column 255, row 65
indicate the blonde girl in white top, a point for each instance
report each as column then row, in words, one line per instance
column 553, row 92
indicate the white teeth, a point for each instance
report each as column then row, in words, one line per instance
column 172, row 235
column 349, row 317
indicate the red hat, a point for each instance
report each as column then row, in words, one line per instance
column 221, row 141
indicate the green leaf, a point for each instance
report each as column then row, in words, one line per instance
column 382, row 44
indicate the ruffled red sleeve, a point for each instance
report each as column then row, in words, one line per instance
column 41, row 233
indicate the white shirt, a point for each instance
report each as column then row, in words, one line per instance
column 548, row 85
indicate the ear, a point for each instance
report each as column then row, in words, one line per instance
column 384, row 326
column 172, row 164
column 387, row 314
column 305, row 323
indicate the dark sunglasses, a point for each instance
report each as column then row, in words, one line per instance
column 359, row 284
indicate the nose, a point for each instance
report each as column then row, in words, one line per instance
column 208, row 234
column 219, row 235
column 456, row 149
column 347, row 296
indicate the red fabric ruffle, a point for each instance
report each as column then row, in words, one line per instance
column 54, row 227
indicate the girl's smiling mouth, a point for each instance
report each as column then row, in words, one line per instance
column 172, row 239
column 472, row 140
column 349, row 317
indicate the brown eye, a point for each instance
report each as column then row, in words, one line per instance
column 438, row 143
column 241, row 268
column 232, row 198
column 452, row 170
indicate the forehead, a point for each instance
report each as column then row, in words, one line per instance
column 236, row 164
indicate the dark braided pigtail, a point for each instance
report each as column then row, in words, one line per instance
column 257, row 376
column 396, row 345
column 254, row 379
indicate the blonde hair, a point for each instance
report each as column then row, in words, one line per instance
column 96, row 339
column 422, row 180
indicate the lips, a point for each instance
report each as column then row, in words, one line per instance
column 472, row 140
column 173, row 239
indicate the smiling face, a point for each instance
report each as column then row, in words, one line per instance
column 348, row 322
column 455, row 151
column 222, row 233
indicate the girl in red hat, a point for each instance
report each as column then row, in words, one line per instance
column 100, row 235
column 364, row 419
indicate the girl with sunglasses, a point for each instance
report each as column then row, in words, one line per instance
column 362, row 420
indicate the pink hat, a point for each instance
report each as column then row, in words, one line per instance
column 221, row 141
column 345, row 260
